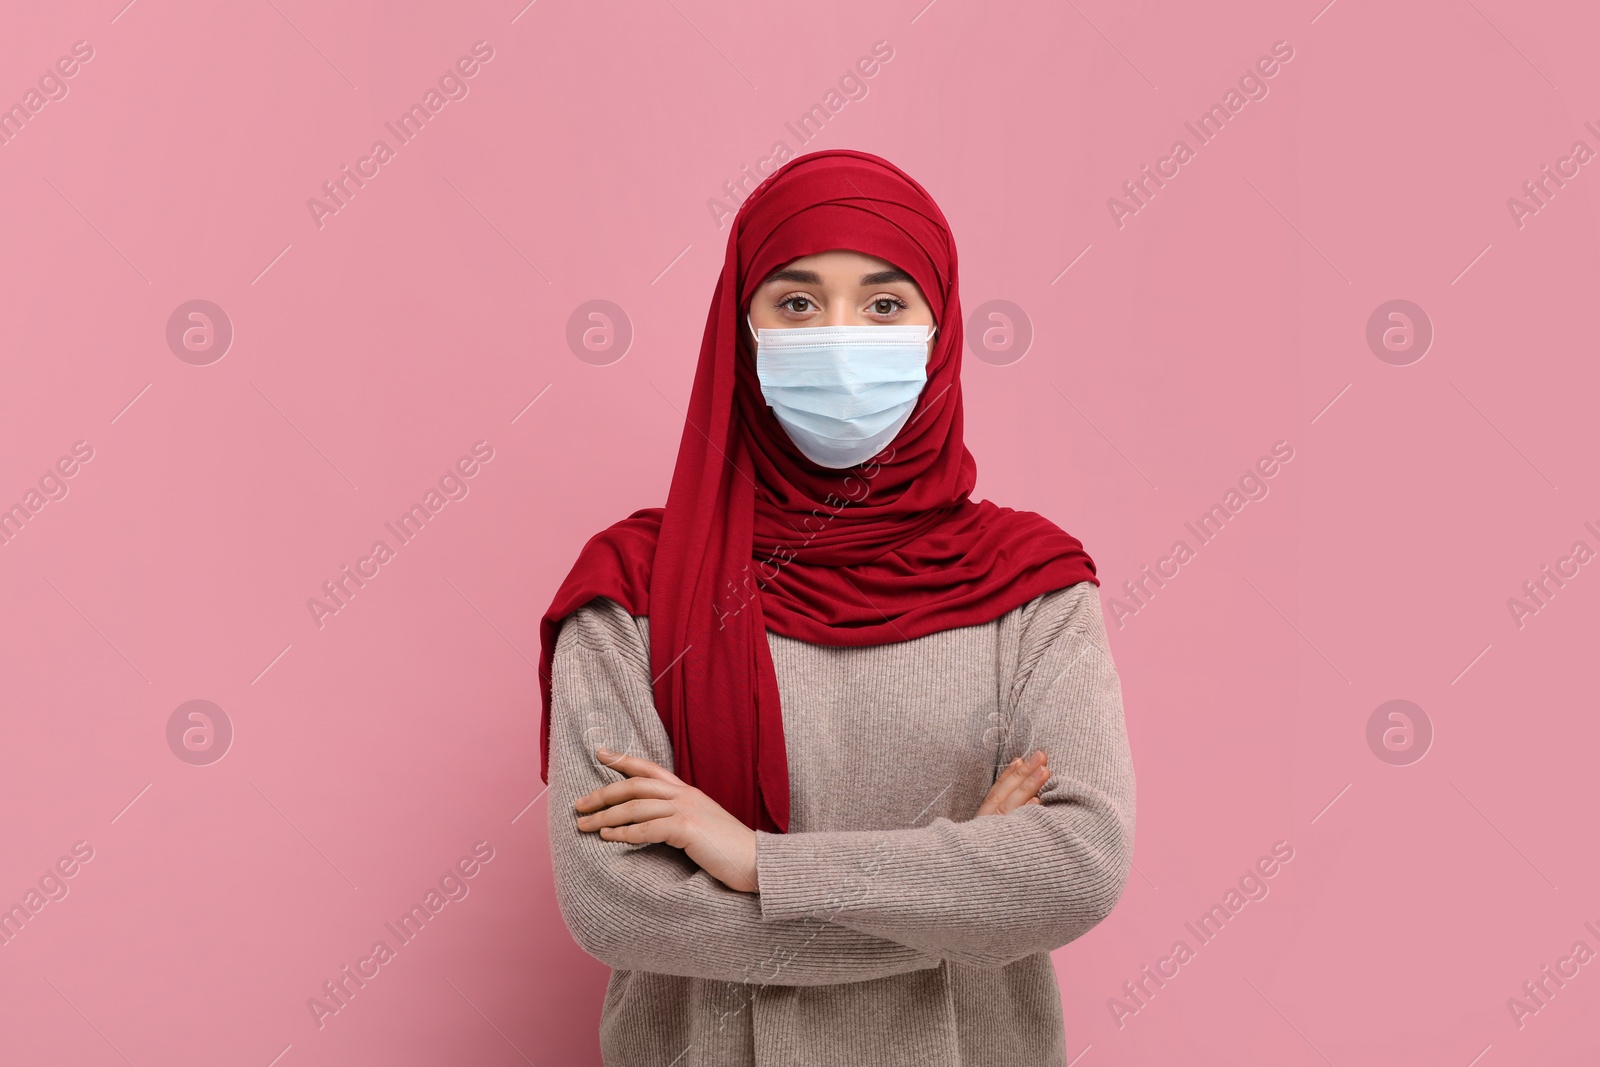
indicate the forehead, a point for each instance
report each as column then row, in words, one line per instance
column 841, row 267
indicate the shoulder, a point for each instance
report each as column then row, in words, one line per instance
column 1061, row 624
column 603, row 625
column 1070, row 609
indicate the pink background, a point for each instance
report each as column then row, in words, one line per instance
column 1230, row 312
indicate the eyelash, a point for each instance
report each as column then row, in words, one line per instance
column 898, row 303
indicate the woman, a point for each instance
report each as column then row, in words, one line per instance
column 776, row 709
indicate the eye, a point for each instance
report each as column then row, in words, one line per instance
column 894, row 304
column 807, row 304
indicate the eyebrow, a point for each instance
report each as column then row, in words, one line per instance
column 811, row 277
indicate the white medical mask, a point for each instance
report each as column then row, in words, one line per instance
column 842, row 392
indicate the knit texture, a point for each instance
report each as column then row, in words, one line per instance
column 892, row 926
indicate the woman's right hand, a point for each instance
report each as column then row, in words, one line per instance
column 1017, row 785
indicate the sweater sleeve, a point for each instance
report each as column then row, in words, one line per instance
column 989, row 891
column 649, row 907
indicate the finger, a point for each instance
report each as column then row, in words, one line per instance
column 1006, row 794
column 1005, row 791
column 632, row 811
column 1000, row 789
column 639, row 833
column 1027, row 789
column 636, row 766
column 627, row 789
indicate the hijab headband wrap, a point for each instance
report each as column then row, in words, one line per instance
column 754, row 536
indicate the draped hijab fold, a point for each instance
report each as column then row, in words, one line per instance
column 756, row 537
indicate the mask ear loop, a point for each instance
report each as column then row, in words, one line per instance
column 755, row 337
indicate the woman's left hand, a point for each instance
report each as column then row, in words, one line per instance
column 653, row 804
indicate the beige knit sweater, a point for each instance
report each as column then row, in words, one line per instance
column 892, row 926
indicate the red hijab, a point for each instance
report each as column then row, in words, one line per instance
column 756, row 537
